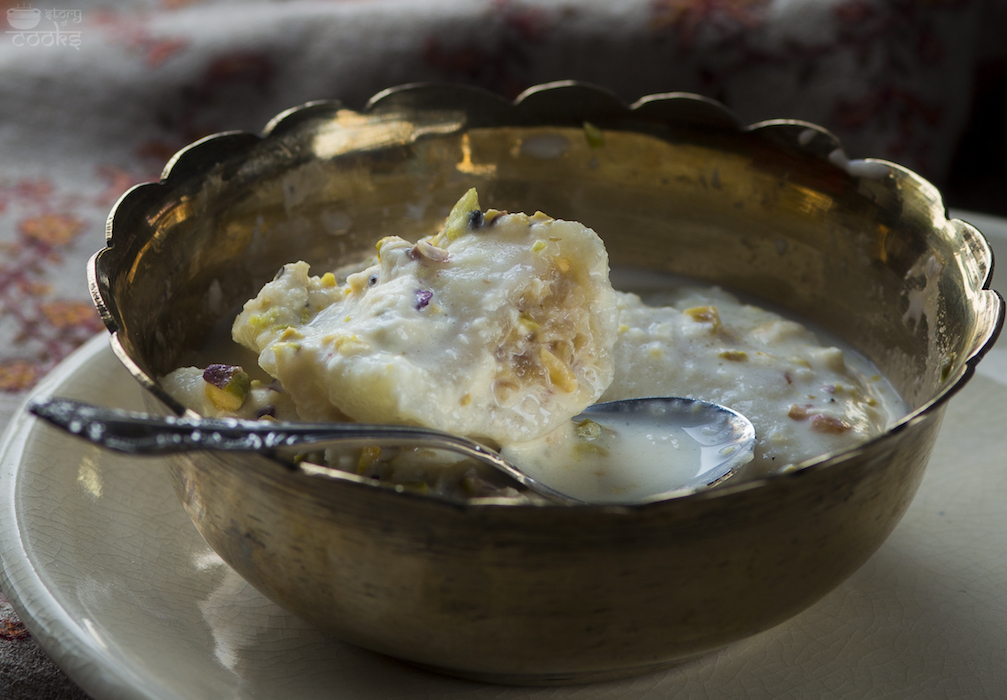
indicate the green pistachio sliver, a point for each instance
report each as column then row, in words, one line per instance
column 458, row 220
column 588, row 429
column 227, row 386
column 733, row 355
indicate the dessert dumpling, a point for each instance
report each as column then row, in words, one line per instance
column 499, row 327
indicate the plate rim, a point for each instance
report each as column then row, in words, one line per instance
column 60, row 636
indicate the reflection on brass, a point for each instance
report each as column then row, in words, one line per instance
column 551, row 594
column 350, row 132
column 467, row 166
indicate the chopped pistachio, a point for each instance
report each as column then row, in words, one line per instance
column 458, row 220
column 260, row 322
column 538, row 246
column 226, row 386
column 560, row 374
column 491, row 215
column 382, row 243
column 286, row 347
column 350, row 345
column 705, row 314
column 528, row 323
column 733, row 355
column 588, row 429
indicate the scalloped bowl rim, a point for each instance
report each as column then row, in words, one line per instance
column 821, row 462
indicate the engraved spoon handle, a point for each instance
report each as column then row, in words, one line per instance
column 145, row 434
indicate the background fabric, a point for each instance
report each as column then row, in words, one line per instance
column 95, row 97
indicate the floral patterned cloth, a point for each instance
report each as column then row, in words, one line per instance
column 95, row 97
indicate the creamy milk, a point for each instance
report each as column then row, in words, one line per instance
column 502, row 327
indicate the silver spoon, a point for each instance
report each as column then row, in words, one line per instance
column 723, row 441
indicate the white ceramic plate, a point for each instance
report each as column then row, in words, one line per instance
column 117, row 586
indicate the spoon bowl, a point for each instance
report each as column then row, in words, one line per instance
column 710, row 443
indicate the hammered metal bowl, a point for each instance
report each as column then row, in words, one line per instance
column 550, row 594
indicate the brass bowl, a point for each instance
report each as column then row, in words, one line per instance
column 549, row 594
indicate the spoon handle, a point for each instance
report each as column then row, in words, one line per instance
column 145, row 434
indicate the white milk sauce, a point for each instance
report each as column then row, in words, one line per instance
column 807, row 394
